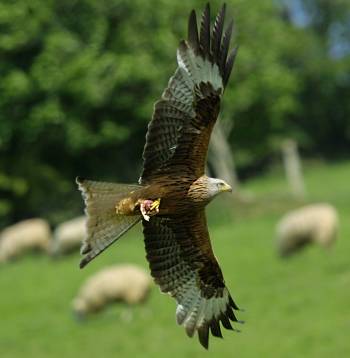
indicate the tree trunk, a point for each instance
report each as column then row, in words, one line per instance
column 293, row 169
column 221, row 159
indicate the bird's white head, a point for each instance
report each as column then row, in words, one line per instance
column 204, row 189
column 217, row 186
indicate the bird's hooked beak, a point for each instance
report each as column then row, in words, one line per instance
column 226, row 187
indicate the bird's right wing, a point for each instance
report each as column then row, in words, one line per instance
column 179, row 132
column 182, row 263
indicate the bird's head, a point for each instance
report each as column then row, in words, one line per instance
column 204, row 189
column 217, row 186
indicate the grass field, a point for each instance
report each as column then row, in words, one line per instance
column 293, row 308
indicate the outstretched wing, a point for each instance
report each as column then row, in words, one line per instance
column 179, row 132
column 183, row 264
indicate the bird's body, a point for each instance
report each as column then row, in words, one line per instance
column 173, row 189
column 192, row 194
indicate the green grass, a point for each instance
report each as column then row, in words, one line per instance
column 294, row 308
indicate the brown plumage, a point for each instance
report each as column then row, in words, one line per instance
column 173, row 189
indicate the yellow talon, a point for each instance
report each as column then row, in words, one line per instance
column 155, row 204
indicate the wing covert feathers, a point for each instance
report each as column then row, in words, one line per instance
column 182, row 264
column 103, row 225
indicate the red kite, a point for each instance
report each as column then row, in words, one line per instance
column 173, row 189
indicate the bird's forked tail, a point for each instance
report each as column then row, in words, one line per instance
column 104, row 226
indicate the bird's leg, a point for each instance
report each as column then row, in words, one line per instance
column 155, row 205
column 149, row 208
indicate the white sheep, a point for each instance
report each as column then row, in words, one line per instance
column 68, row 236
column 125, row 283
column 317, row 223
column 27, row 235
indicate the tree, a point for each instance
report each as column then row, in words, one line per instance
column 79, row 80
column 322, row 62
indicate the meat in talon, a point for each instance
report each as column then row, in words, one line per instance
column 149, row 208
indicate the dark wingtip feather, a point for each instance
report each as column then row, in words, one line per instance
column 230, row 314
column 84, row 262
column 203, row 336
column 217, row 33
column 192, row 36
column 190, row 331
column 229, row 65
column 204, row 39
column 215, row 328
column 225, row 46
column 86, row 248
column 225, row 322
column 232, row 303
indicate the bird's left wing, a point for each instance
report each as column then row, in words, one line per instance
column 179, row 132
column 182, row 263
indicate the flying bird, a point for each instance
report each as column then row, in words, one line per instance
column 173, row 189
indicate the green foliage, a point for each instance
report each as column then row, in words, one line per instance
column 79, row 80
column 322, row 62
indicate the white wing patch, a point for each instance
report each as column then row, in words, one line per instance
column 194, row 311
column 198, row 69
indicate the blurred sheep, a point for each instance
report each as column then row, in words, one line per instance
column 68, row 236
column 27, row 235
column 317, row 223
column 125, row 283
